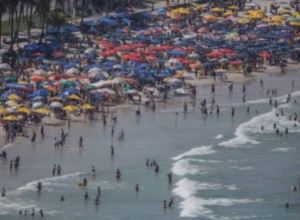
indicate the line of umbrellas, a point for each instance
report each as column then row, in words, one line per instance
column 166, row 46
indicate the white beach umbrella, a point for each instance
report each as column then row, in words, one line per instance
column 5, row 66
column 72, row 71
column 56, row 105
column 37, row 105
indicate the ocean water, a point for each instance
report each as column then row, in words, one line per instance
column 223, row 168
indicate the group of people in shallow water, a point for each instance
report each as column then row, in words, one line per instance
column 150, row 163
column 26, row 213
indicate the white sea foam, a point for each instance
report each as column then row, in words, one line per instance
column 188, row 166
column 242, row 168
column 193, row 206
column 8, row 205
column 7, row 146
column 197, row 151
column 186, row 187
column 245, row 130
column 219, row 136
column 47, row 183
column 281, row 149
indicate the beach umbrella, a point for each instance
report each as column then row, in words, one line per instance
column 106, row 91
column 58, row 54
column 37, row 98
column 39, row 72
column 14, row 97
column 5, row 67
column 68, row 83
column 38, row 78
column 87, row 106
column 42, row 111
column 37, row 105
column 90, row 51
column 56, row 104
column 217, row 10
column 11, row 118
column 3, row 110
column 71, row 108
column 72, row 71
column 41, row 92
column 11, row 103
column 74, row 97
column 24, row 110
column 50, row 88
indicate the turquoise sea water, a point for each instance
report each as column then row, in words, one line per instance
column 223, row 168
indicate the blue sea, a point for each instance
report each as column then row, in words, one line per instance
column 223, row 168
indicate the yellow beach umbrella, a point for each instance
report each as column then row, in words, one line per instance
column 87, row 106
column 233, row 7
column 11, row 118
column 277, row 19
column 14, row 97
column 74, row 97
column 42, row 111
column 71, row 108
column 218, row 10
column 282, row 11
column 2, row 110
column 229, row 13
column 24, row 110
column 23, row 82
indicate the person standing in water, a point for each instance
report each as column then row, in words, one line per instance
column 185, row 107
column 170, row 177
column 80, row 142
column 33, row 136
column 118, row 174
column 42, row 131
column 93, row 171
column 58, row 170
column 112, row 151
column 137, row 188
column 232, row 112
column 3, row 192
column 54, row 170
